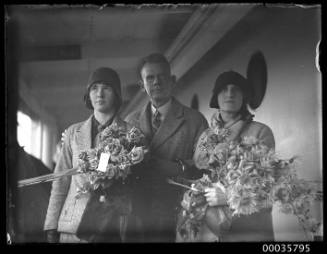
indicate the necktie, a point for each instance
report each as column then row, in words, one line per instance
column 156, row 121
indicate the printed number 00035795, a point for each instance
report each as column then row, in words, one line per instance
column 286, row 248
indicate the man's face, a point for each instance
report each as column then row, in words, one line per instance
column 230, row 99
column 102, row 97
column 158, row 83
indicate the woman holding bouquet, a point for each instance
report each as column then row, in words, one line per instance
column 232, row 94
column 66, row 208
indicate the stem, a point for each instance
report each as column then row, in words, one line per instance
column 182, row 185
column 47, row 178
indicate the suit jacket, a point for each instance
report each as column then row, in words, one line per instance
column 257, row 226
column 65, row 210
column 175, row 138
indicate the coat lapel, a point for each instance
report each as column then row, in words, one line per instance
column 145, row 122
column 170, row 124
column 84, row 135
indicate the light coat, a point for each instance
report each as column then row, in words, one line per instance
column 65, row 210
column 257, row 226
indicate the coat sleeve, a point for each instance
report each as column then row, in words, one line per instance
column 200, row 156
column 60, row 187
column 193, row 167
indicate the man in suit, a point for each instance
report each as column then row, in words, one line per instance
column 172, row 130
column 65, row 210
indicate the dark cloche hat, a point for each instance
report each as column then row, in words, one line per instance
column 254, row 86
column 225, row 78
column 107, row 76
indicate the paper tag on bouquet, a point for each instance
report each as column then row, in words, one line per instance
column 104, row 158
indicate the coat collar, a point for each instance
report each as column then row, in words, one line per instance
column 235, row 130
column 173, row 120
column 163, row 110
column 84, row 133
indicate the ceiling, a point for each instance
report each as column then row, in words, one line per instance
column 61, row 45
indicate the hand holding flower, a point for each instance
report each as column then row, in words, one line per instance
column 215, row 195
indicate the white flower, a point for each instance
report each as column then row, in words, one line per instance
column 137, row 155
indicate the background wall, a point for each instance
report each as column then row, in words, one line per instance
column 288, row 38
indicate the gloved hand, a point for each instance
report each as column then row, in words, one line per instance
column 52, row 236
column 216, row 195
column 139, row 170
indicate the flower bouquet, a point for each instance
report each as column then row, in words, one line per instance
column 111, row 160
column 252, row 178
column 106, row 169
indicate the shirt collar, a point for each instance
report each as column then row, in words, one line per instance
column 163, row 109
column 96, row 124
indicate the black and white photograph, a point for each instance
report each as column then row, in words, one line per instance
column 163, row 123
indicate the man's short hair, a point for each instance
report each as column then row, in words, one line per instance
column 154, row 58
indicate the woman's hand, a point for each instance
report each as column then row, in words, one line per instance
column 216, row 196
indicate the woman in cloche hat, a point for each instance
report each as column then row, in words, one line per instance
column 66, row 216
column 232, row 95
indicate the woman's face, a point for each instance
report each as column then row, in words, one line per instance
column 102, row 97
column 230, row 99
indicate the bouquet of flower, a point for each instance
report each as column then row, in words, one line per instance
column 111, row 160
column 121, row 149
column 107, row 167
column 252, row 177
column 195, row 210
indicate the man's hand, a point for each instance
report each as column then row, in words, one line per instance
column 52, row 236
column 216, row 195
